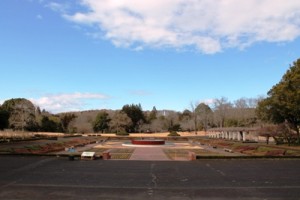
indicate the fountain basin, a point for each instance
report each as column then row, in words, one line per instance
column 148, row 142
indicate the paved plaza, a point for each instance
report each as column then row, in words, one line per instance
column 156, row 152
column 58, row 178
column 148, row 153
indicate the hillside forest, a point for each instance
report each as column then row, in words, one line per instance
column 21, row 114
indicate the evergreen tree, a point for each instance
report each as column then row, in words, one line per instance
column 153, row 114
column 283, row 102
column 135, row 113
column 101, row 122
column 66, row 119
column 49, row 125
column 4, row 116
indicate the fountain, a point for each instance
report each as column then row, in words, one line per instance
column 146, row 142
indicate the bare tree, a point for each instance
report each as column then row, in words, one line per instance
column 194, row 115
column 204, row 113
column 281, row 133
column 221, row 108
column 21, row 113
column 120, row 122
column 186, row 120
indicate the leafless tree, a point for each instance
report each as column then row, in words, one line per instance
column 204, row 114
column 221, row 108
column 194, row 115
column 119, row 122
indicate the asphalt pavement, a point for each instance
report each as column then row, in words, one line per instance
column 58, row 178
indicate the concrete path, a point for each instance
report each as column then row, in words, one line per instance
column 149, row 153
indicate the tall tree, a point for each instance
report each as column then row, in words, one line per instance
column 120, row 122
column 101, row 122
column 21, row 113
column 135, row 113
column 282, row 103
column 185, row 120
column 204, row 113
column 153, row 114
column 194, row 115
column 243, row 112
column 66, row 119
column 50, row 125
column 221, row 108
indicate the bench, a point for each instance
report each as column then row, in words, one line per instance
column 87, row 155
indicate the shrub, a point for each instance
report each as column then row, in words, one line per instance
column 173, row 133
column 122, row 133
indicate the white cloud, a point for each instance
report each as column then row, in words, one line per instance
column 66, row 102
column 140, row 92
column 207, row 101
column 206, row 25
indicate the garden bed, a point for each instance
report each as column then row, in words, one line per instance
column 117, row 154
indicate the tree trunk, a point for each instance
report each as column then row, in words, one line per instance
column 298, row 136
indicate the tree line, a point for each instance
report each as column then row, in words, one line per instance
column 21, row 114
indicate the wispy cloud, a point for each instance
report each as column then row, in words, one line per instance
column 58, row 7
column 139, row 92
column 66, row 102
column 207, row 101
column 40, row 17
column 209, row 26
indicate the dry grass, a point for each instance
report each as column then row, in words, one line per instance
column 20, row 134
column 174, row 154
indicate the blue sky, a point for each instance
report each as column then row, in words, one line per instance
column 89, row 54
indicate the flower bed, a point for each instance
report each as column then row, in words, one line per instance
column 51, row 147
column 244, row 149
column 277, row 152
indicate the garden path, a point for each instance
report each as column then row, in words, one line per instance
column 149, row 153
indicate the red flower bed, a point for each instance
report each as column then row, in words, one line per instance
column 241, row 149
column 224, row 144
column 51, row 147
column 21, row 150
column 278, row 152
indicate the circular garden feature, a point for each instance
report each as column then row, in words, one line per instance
column 148, row 142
